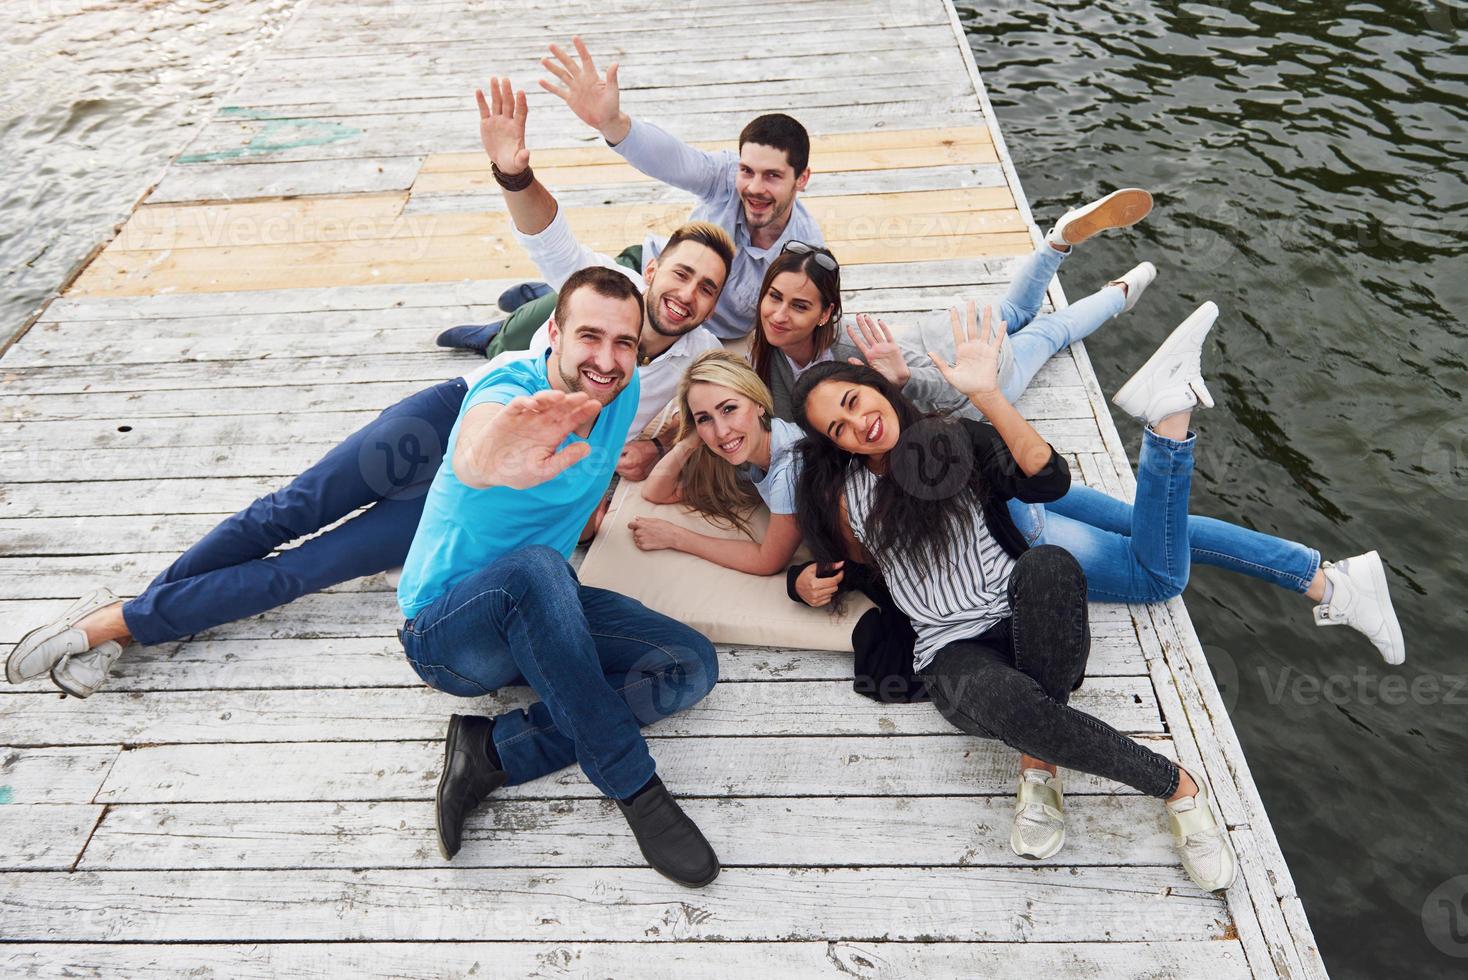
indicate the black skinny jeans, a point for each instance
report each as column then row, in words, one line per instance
column 1014, row 681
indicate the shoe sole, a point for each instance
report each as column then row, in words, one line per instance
column 1042, row 855
column 448, row 745
column 1119, row 209
column 679, row 881
column 1384, row 599
column 56, row 679
column 1173, row 341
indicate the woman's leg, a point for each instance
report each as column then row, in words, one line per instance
column 1014, row 684
column 1150, row 560
column 1049, row 334
column 1027, row 290
column 1281, row 562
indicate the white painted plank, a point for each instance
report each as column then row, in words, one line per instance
column 53, row 775
column 768, row 832
column 972, row 904
column 1220, row 959
column 44, row 837
column 731, row 709
column 939, row 765
column 231, row 181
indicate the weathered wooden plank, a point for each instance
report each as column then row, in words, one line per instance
column 971, row 904
column 1219, row 959
column 236, row 180
column 938, row 765
column 45, row 837
column 768, row 832
column 54, row 775
column 770, row 708
column 378, row 661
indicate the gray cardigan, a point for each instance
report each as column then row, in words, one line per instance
column 926, row 387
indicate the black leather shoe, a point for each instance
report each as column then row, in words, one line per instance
column 671, row 842
column 468, row 777
column 470, row 336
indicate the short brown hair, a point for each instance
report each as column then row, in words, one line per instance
column 604, row 282
column 709, row 235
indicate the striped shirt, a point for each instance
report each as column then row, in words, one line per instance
column 958, row 602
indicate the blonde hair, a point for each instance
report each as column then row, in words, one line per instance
column 710, row 484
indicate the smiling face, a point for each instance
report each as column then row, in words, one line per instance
column 683, row 286
column 595, row 350
column 790, row 310
column 730, row 424
column 767, row 185
column 855, row 417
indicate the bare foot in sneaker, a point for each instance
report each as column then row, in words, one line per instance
column 1119, row 209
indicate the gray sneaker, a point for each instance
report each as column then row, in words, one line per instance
column 83, row 674
column 45, row 646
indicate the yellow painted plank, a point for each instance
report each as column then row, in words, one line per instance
column 891, row 158
column 376, row 216
column 454, row 258
column 599, row 155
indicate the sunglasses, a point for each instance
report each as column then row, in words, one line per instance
column 822, row 256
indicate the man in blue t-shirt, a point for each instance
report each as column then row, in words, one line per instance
column 491, row 599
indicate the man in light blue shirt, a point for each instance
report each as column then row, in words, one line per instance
column 491, row 600
column 752, row 194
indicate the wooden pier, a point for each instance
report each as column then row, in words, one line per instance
column 256, row 802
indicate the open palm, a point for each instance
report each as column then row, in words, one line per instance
column 975, row 367
column 874, row 339
column 527, row 436
column 596, row 100
column 502, row 126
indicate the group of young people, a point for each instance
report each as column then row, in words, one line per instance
column 897, row 456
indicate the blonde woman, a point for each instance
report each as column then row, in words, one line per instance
column 732, row 454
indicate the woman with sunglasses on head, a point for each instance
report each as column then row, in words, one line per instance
column 799, row 323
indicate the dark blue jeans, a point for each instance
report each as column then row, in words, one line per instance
column 386, row 466
column 602, row 664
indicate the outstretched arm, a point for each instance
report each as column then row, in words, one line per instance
column 766, row 557
column 975, row 372
column 597, row 101
column 518, row 444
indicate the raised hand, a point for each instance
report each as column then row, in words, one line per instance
column 975, row 367
column 502, row 126
column 596, row 100
column 874, row 339
column 523, row 441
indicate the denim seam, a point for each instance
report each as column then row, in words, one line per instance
column 1299, row 584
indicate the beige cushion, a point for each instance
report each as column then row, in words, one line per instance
column 722, row 604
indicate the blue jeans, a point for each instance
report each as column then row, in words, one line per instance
column 603, row 665
column 1142, row 552
column 386, row 466
column 1034, row 339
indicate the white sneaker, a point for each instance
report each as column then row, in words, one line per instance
column 1136, row 280
column 1359, row 599
column 1172, row 379
column 43, row 647
column 1039, row 816
column 1208, row 856
column 83, row 674
column 1119, row 209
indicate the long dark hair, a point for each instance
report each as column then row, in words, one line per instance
column 915, row 520
column 827, row 283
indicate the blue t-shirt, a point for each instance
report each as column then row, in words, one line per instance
column 463, row 530
column 776, row 486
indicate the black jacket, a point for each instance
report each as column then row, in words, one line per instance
column 883, row 638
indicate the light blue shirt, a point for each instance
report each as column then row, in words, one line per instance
column 776, row 485
column 464, row 530
column 710, row 177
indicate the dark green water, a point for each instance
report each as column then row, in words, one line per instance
column 1309, row 165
